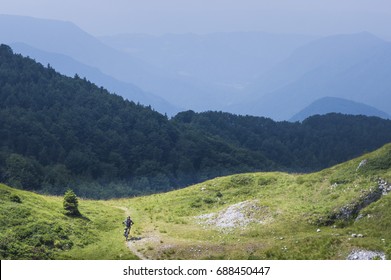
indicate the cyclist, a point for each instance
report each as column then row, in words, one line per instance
column 128, row 224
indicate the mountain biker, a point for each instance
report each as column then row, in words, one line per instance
column 128, row 224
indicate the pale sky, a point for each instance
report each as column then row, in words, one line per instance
column 105, row 17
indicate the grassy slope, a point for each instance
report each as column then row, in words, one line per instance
column 286, row 209
column 291, row 208
column 36, row 228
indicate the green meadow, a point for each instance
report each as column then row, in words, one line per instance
column 274, row 215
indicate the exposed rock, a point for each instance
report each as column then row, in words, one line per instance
column 333, row 186
column 359, row 217
column 366, row 255
column 362, row 164
column 383, row 186
column 352, row 210
column 237, row 215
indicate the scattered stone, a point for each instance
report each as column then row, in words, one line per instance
column 359, row 217
column 383, row 186
column 237, row 215
column 366, row 255
column 354, row 235
column 360, row 235
column 318, row 230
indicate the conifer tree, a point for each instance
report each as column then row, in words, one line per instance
column 71, row 204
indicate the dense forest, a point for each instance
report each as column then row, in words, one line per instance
column 316, row 143
column 58, row 132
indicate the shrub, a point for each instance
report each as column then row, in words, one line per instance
column 219, row 194
column 71, row 204
column 209, row 200
column 241, row 180
column 15, row 198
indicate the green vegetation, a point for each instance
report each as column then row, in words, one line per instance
column 270, row 215
column 35, row 227
column 285, row 215
column 316, row 143
column 71, row 204
column 59, row 132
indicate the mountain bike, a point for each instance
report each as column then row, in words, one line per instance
column 126, row 233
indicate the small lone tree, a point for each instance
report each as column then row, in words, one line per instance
column 71, row 204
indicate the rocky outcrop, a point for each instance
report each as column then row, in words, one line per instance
column 352, row 210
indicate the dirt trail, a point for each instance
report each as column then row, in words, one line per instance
column 141, row 244
column 132, row 244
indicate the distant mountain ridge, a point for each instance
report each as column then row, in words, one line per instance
column 327, row 105
column 70, row 67
column 225, row 62
column 268, row 46
column 194, row 72
column 356, row 67
column 60, row 38
column 247, row 73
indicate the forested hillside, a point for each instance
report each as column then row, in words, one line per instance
column 316, row 143
column 58, row 132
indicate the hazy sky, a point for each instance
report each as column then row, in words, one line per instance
column 101, row 17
